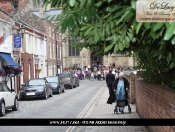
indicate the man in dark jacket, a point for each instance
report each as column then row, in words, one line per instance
column 109, row 81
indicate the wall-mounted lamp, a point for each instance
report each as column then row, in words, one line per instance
column 22, row 29
column 29, row 61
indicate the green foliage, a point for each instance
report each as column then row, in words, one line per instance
column 108, row 26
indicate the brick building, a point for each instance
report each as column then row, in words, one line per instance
column 41, row 51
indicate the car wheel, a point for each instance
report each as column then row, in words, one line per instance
column 51, row 94
column 63, row 90
column 2, row 109
column 16, row 105
column 78, row 85
column 21, row 99
column 71, row 87
column 74, row 86
column 59, row 90
column 46, row 96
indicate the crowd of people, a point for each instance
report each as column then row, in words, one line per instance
column 118, row 86
column 94, row 71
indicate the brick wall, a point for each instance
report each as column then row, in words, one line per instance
column 52, row 40
column 25, row 65
column 131, row 79
column 6, row 5
column 155, row 101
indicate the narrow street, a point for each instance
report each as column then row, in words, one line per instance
column 66, row 105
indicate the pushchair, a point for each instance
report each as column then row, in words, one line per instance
column 122, row 103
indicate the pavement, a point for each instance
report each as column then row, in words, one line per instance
column 100, row 109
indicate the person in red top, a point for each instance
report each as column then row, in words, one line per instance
column 110, row 67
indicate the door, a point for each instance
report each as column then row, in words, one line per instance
column 10, row 96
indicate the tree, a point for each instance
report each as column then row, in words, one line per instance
column 108, row 26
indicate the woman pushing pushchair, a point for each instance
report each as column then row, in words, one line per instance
column 120, row 87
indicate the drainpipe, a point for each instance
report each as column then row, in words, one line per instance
column 56, row 52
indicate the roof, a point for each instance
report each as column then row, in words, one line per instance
column 48, row 13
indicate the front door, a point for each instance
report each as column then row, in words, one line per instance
column 96, row 59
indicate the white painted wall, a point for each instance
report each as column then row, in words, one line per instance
column 7, row 45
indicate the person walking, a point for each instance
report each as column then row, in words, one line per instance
column 121, row 86
column 109, row 81
column 92, row 76
column 99, row 75
column 89, row 74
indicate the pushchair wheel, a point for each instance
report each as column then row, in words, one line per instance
column 115, row 111
column 129, row 109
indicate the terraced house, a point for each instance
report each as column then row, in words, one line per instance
column 39, row 51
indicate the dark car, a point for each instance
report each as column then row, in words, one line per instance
column 69, row 80
column 34, row 88
column 56, row 83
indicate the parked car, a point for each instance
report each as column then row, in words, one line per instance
column 34, row 88
column 69, row 80
column 56, row 83
column 8, row 99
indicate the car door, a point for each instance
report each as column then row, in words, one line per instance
column 10, row 96
column 3, row 95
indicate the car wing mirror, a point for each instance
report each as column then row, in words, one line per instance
column 23, row 84
column 12, row 90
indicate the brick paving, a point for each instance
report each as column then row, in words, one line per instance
column 100, row 109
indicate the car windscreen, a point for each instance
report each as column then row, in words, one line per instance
column 35, row 82
column 52, row 79
column 64, row 75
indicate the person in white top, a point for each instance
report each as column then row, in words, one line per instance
column 83, row 74
column 92, row 76
column 113, row 71
column 116, row 74
column 99, row 75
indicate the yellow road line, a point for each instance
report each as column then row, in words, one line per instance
column 86, row 108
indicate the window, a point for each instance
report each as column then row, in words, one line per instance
column 5, row 87
column 50, row 51
column 1, row 88
column 53, row 33
column 37, row 4
column 29, row 41
column 73, row 51
column 59, row 37
column 36, row 82
column 57, row 53
column 50, row 71
column 53, row 51
column 50, row 32
column 54, row 69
